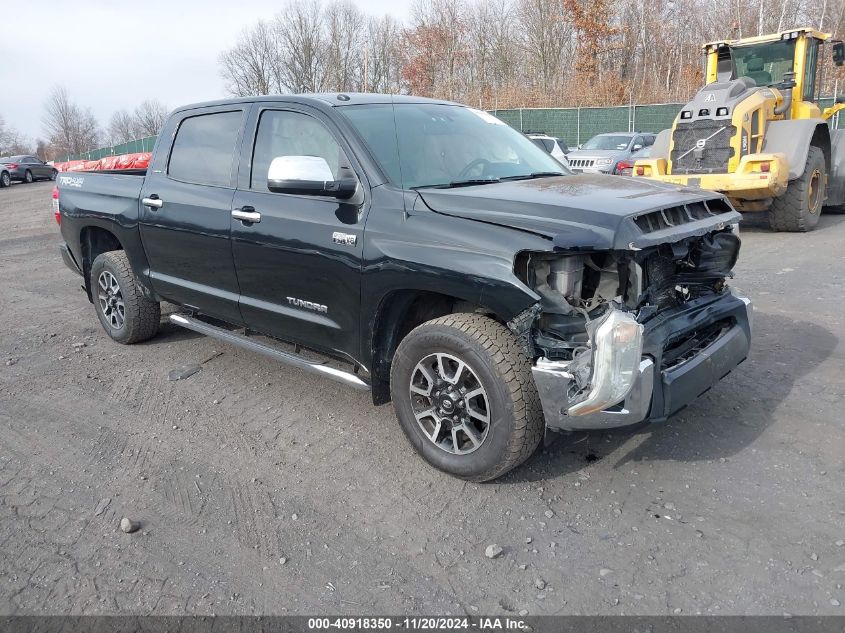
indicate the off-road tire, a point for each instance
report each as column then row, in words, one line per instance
column 491, row 351
column 798, row 209
column 142, row 316
column 27, row 177
column 5, row 179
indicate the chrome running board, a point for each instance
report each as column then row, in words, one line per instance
column 295, row 360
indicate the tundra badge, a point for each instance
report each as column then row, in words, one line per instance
column 308, row 305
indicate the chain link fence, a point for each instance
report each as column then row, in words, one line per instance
column 130, row 147
column 573, row 125
column 577, row 125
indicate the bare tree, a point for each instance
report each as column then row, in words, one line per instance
column 344, row 46
column 298, row 29
column 546, row 36
column 505, row 53
column 122, row 128
column 150, row 117
column 383, row 68
column 12, row 142
column 250, row 67
column 69, row 128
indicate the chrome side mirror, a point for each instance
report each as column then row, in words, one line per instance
column 307, row 176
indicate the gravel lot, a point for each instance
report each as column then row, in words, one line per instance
column 262, row 489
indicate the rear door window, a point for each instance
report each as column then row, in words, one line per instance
column 204, row 150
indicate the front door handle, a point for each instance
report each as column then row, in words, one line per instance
column 153, row 202
column 246, row 214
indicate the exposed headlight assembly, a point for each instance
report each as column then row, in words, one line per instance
column 617, row 347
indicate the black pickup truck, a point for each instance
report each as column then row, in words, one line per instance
column 429, row 253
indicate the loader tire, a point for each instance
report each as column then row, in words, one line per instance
column 799, row 208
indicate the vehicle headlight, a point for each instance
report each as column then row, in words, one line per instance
column 604, row 161
column 617, row 347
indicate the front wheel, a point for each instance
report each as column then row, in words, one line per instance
column 125, row 314
column 465, row 398
column 798, row 209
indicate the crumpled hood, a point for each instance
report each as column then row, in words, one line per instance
column 587, row 211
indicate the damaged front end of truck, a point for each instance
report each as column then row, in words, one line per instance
column 635, row 327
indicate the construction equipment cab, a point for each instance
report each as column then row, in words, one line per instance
column 756, row 131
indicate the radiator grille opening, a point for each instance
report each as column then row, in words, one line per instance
column 690, row 345
column 675, row 216
column 702, row 146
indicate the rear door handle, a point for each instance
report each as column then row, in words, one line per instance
column 153, row 202
column 246, row 214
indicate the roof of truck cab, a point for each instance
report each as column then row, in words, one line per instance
column 770, row 37
column 322, row 98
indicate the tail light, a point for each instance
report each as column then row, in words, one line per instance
column 765, row 167
column 622, row 165
column 640, row 171
column 56, row 213
column 12, row 165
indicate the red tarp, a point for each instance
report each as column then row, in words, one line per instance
column 140, row 160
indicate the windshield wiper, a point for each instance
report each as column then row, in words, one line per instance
column 460, row 183
column 536, row 174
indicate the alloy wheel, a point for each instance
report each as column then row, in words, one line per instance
column 111, row 300
column 450, row 404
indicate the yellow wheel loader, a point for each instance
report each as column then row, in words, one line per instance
column 756, row 133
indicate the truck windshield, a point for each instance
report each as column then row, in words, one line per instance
column 765, row 63
column 437, row 145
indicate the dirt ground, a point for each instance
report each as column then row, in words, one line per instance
column 264, row 490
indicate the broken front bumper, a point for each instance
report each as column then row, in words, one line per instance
column 659, row 388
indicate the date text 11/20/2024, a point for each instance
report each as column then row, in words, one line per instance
column 418, row 623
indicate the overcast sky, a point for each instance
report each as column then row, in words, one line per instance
column 113, row 55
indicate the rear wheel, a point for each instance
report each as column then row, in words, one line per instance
column 799, row 208
column 465, row 398
column 27, row 176
column 125, row 314
column 5, row 179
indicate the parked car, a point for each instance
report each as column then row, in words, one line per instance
column 5, row 176
column 556, row 147
column 433, row 254
column 25, row 168
column 625, row 167
column 602, row 152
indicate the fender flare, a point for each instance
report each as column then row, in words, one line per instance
column 793, row 138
